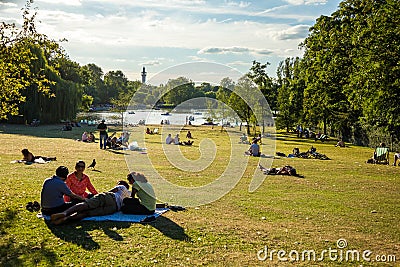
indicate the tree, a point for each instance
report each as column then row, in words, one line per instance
column 327, row 63
column 290, row 93
column 16, row 59
column 180, row 90
column 92, row 80
column 258, row 74
column 244, row 109
column 123, row 102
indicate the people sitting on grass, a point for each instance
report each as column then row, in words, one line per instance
column 53, row 190
column 91, row 137
column 176, row 140
column 187, row 143
column 28, row 157
column 189, row 135
column 67, row 126
column 148, row 131
column 101, row 204
column 85, row 137
column 124, row 139
column 254, row 150
column 169, row 139
column 78, row 182
column 142, row 200
column 112, row 142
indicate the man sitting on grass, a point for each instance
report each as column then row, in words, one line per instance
column 101, row 204
column 53, row 190
column 254, row 150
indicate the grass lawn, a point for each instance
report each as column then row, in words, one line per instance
column 341, row 198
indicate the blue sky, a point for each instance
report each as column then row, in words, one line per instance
column 159, row 34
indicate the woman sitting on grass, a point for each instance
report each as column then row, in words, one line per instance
column 145, row 202
column 78, row 182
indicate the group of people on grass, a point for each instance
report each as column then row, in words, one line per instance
column 112, row 141
column 64, row 196
column 176, row 141
column 88, row 137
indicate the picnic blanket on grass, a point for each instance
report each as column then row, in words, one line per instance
column 120, row 217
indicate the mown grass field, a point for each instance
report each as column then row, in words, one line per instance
column 341, row 198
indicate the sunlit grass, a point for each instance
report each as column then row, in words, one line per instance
column 338, row 198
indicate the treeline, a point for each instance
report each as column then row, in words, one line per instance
column 347, row 82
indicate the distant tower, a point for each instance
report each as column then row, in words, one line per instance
column 144, row 75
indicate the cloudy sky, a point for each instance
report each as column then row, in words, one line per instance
column 158, row 34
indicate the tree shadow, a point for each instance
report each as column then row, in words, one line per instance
column 169, row 228
column 11, row 253
column 78, row 232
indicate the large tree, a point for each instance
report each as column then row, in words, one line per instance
column 17, row 57
column 290, row 93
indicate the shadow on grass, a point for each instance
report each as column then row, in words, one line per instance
column 170, row 228
column 116, row 152
column 21, row 253
column 78, row 232
column 45, row 131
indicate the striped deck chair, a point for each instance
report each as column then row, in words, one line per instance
column 381, row 155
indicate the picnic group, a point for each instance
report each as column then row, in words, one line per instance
column 71, row 196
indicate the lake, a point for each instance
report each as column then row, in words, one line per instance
column 149, row 116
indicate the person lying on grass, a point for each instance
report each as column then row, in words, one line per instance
column 28, row 157
column 101, row 204
column 286, row 170
column 53, row 190
column 145, row 203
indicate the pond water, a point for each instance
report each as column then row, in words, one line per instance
column 150, row 116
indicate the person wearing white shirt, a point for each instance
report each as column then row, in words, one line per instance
column 101, row 204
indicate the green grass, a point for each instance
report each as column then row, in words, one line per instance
column 338, row 198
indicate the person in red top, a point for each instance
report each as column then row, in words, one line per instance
column 78, row 182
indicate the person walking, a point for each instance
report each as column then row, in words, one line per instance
column 102, row 127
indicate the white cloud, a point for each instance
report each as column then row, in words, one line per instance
column 150, row 63
column 8, row 4
column 240, row 4
column 62, row 2
column 306, row 2
column 293, row 33
column 234, row 50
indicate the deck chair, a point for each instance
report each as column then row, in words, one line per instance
column 381, row 155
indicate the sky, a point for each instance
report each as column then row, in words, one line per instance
column 160, row 34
